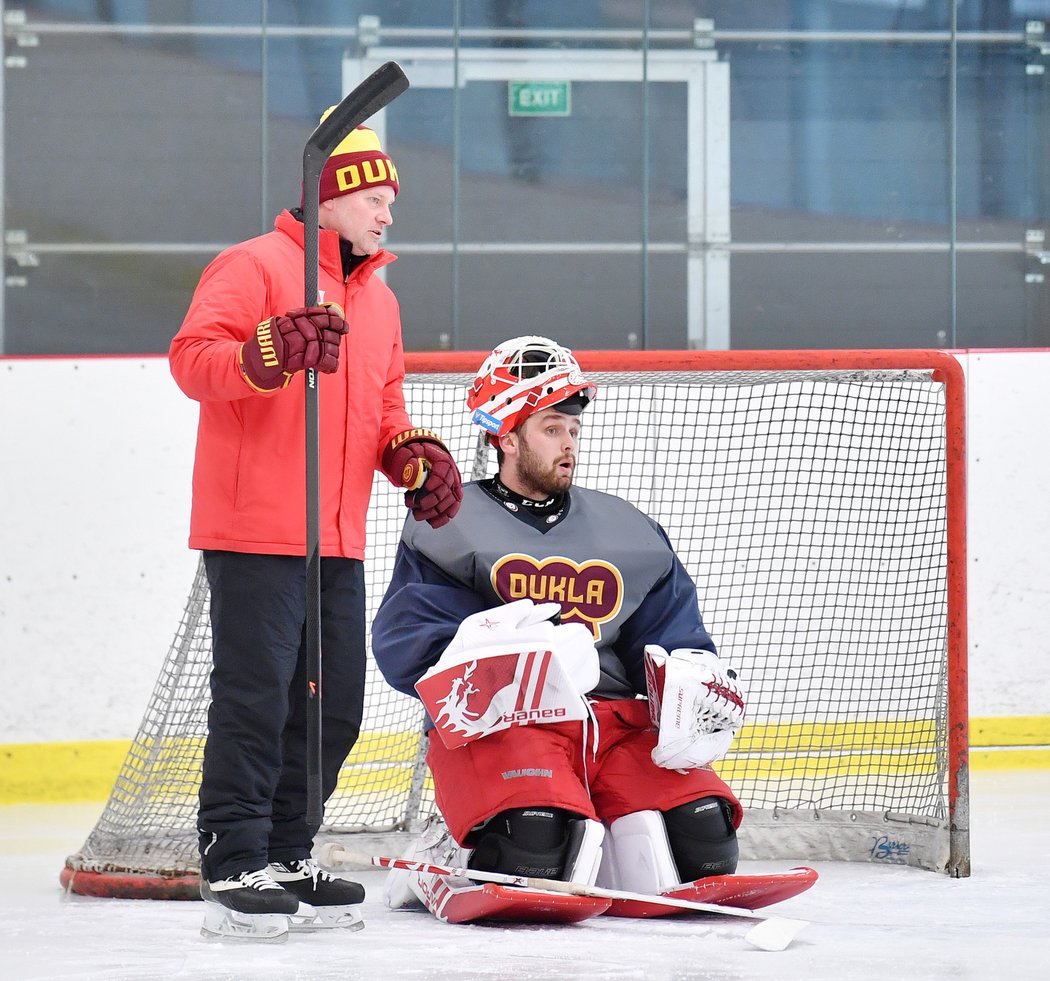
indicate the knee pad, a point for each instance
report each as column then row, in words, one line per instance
column 544, row 842
column 702, row 837
column 650, row 851
column 637, row 855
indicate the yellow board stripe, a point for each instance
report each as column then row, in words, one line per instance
column 1010, row 759
column 59, row 772
column 85, row 771
column 1014, row 730
column 834, row 737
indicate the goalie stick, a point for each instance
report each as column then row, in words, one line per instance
column 384, row 85
column 771, row 933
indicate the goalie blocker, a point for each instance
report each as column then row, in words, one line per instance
column 509, row 666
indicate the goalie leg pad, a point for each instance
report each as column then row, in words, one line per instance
column 405, row 888
column 454, row 899
column 702, row 838
column 650, row 851
column 637, row 856
column 583, row 854
column 545, row 842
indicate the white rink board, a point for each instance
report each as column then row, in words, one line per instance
column 95, row 566
column 95, row 569
column 1008, row 466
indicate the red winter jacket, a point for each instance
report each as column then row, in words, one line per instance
column 249, row 484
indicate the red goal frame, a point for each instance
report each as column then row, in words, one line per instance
column 118, row 861
column 947, row 369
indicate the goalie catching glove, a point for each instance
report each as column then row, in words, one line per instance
column 418, row 461
column 695, row 703
column 510, row 665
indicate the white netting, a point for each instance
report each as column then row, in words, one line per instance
column 810, row 507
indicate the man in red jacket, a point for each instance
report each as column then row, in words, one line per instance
column 241, row 353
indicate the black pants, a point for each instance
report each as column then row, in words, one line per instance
column 253, row 781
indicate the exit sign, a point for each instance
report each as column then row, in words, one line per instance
column 539, row 98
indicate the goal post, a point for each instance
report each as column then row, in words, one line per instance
column 818, row 500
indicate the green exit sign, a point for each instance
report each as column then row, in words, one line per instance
column 539, row 98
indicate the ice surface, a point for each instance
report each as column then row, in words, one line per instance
column 866, row 921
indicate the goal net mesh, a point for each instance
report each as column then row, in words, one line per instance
column 809, row 507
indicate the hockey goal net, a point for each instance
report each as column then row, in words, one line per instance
column 817, row 498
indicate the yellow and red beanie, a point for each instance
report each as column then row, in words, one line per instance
column 356, row 163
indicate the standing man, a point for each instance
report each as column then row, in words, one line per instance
column 533, row 628
column 241, row 353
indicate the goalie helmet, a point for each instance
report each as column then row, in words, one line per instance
column 522, row 376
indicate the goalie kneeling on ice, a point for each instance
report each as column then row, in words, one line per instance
column 524, row 680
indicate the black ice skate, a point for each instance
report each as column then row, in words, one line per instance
column 335, row 902
column 249, row 906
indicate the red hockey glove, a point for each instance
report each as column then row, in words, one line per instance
column 307, row 337
column 418, row 461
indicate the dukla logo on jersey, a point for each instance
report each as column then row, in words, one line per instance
column 589, row 592
column 495, row 690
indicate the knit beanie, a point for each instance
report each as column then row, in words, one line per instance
column 356, row 163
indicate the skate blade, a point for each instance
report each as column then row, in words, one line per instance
column 328, row 918
column 225, row 924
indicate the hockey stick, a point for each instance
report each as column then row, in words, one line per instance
column 384, row 85
column 771, row 933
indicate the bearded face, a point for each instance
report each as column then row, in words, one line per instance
column 545, row 458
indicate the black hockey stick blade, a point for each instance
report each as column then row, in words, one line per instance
column 376, row 92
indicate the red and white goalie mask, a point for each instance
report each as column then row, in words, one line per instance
column 520, row 377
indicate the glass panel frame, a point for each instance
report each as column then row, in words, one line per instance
column 887, row 154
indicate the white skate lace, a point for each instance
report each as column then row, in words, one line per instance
column 316, row 872
column 310, row 868
column 258, row 880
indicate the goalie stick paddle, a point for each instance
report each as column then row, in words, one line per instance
column 771, row 933
column 384, row 85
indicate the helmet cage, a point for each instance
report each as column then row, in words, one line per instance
column 520, row 377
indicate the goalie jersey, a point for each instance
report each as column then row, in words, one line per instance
column 609, row 566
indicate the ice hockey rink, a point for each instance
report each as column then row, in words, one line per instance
column 865, row 921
